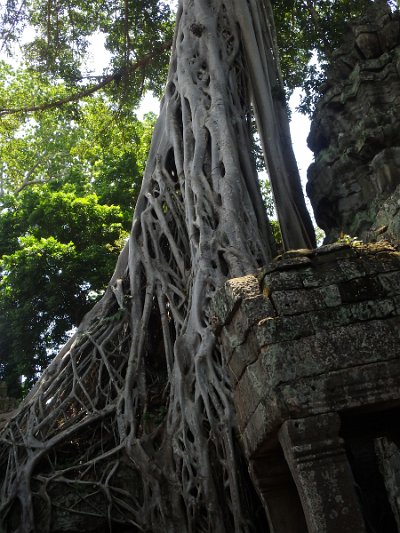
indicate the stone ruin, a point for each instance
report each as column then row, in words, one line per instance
column 312, row 346
column 312, row 341
column 354, row 184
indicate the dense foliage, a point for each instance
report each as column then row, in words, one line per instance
column 69, row 188
column 54, row 38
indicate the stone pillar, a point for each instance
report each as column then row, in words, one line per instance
column 279, row 493
column 389, row 463
column 316, row 457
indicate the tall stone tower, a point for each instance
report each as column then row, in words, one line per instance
column 354, row 184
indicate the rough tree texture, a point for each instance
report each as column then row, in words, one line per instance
column 354, row 184
column 133, row 424
column 7, row 405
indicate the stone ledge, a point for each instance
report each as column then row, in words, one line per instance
column 307, row 337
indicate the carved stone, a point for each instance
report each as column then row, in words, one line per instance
column 312, row 344
column 322, row 474
column 389, row 461
column 354, row 184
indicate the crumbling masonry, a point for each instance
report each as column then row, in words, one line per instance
column 312, row 342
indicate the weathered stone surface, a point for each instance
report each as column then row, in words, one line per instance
column 279, row 493
column 280, row 329
column 361, row 289
column 239, row 359
column 249, row 392
column 349, row 388
column 249, row 313
column 389, row 461
column 318, row 331
column 300, row 301
column 310, row 341
column 230, row 296
column 354, row 183
column 320, row 469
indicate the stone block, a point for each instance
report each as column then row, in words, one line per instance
column 228, row 297
column 318, row 462
column 323, row 274
column 287, row 361
column 302, row 301
column 353, row 268
column 365, row 342
column 329, row 350
column 359, row 289
column 277, row 281
column 278, row 491
column 249, row 312
column 349, row 388
column 242, row 356
column 390, row 281
column 279, row 329
column 249, row 391
column 371, row 309
column 256, row 433
column 380, row 261
column 332, row 317
column 350, row 313
column 263, row 426
column 290, row 261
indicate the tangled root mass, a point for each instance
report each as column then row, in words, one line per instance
column 132, row 426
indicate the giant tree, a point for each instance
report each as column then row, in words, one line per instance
column 133, row 422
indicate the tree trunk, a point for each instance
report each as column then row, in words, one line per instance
column 133, row 423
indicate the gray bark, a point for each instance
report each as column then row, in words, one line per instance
column 133, row 422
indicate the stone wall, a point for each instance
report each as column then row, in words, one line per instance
column 354, row 184
column 312, row 345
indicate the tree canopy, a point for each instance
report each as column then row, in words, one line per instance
column 54, row 38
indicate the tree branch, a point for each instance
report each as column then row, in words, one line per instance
column 145, row 60
column 8, row 33
column 33, row 182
